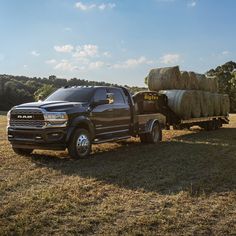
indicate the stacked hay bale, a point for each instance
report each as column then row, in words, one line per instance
column 190, row 95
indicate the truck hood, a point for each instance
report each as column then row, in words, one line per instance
column 53, row 105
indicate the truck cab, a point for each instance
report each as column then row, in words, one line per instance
column 74, row 118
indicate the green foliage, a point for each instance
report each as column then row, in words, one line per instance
column 15, row 90
column 44, row 91
column 226, row 75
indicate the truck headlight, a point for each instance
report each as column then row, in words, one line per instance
column 56, row 119
column 55, row 116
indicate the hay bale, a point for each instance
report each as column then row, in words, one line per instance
column 196, row 103
column 203, row 104
column 164, row 78
column 214, row 83
column 217, row 103
column 193, row 81
column 185, row 80
column 204, row 83
column 180, row 101
column 225, row 104
column 208, row 100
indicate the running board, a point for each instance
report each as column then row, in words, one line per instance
column 110, row 140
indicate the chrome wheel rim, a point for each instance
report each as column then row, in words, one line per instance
column 82, row 144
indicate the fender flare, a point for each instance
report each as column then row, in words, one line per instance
column 81, row 121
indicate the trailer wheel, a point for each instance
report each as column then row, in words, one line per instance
column 156, row 134
column 80, row 144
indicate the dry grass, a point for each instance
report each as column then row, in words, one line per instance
column 184, row 186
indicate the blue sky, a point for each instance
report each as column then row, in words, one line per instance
column 114, row 41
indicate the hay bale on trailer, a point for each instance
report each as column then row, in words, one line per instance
column 225, row 104
column 203, row 104
column 193, row 81
column 180, row 102
column 185, row 80
column 196, row 103
column 208, row 99
column 216, row 98
column 164, row 78
column 214, row 83
column 204, row 83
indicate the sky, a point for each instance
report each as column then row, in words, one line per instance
column 116, row 41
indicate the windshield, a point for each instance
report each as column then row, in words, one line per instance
column 71, row 95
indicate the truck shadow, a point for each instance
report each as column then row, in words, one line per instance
column 196, row 162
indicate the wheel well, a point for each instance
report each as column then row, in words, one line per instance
column 81, row 125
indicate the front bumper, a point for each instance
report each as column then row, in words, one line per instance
column 50, row 139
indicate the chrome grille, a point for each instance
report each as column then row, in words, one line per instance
column 37, row 120
column 27, row 123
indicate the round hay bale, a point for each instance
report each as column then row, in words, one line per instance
column 203, row 83
column 180, row 102
column 196, row 103
column 164, row 78
column 185, row 80
column 203, row 103
column 208, row 99
column 217, row 104
column 193, row 81
column 225, row 104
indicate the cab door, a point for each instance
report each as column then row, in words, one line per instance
column 102, row 115
column 121, row 112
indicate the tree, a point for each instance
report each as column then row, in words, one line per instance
column 226, row 76
column 44, row 92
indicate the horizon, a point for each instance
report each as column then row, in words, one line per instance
column 114, row 41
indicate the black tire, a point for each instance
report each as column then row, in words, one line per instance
column 80, row 144
column 156, row 134
column 22, row 151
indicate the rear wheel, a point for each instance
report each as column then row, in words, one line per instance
column 155, row 136
column 80, row 144
column 22, row 151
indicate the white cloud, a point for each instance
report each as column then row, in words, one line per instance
column 107, row 54
column 64, row 48
column 25, row 66
column 170, row 58
column 85, row 7
column 225, row 53
column 86, row 51
column 192, row 3
column 96, row 65
column 51, row 61
column 131, row 63
column 104, row 6
column 35, row 53
column 65, row 65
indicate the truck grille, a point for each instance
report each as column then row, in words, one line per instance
column 30, row 118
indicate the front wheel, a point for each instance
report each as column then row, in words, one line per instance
column 22, row 151
column 80, row 144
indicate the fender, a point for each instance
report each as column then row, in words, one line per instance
column 80, row 121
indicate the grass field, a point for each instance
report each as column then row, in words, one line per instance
column 184, row 186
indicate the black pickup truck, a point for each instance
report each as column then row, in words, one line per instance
column 77, row 117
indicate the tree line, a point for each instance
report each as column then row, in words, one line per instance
column 16, row 90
